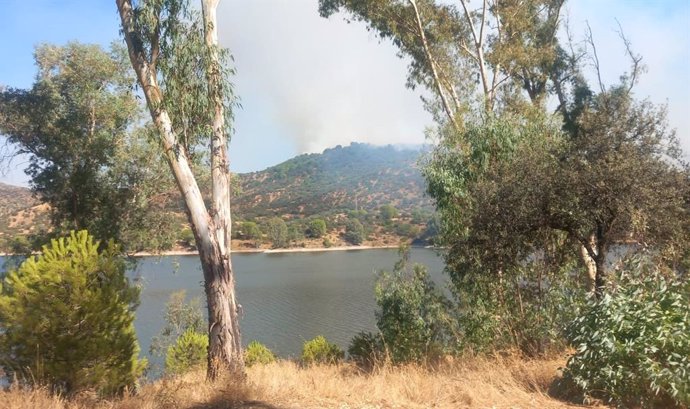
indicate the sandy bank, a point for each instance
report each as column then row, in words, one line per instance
column 266, row 251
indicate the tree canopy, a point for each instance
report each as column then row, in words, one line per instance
column 89, row 158
column 67, row 318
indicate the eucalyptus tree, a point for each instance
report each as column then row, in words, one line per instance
column 184, row 78
column 473, row 61
column 78, row 124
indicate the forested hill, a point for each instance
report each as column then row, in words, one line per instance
column 356, row 177
column 341, row 179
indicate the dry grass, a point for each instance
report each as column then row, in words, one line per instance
column 473, row 383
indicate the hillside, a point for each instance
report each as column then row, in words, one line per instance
column 333, row 185
column 357, row 177
column 20, row 212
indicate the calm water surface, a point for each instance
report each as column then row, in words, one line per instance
column 286, row 298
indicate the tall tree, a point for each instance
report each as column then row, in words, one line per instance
column 180, row 67
column 472, row 60
column 76, row 122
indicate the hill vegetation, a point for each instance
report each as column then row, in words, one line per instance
column 315, row 195
column 356, row 177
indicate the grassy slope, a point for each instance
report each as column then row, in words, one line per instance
column 472, row 383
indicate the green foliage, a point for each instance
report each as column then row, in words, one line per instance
column 413, row 316
column 527, row 313
column 187, row 237
column 358, row 176
column 180, row 317
column 171, row 34
column 67, row 318
column 420, row 216
column 367, row 350
column 189, row 352
column 388, row 213
column 258, row 353
column 277, row 232
column 317, row 228
column 295, row 231
column 406, row 230
column 77, row 124
column 522, row 50
column 354, row 232
column 250, row 231
column 320, row 351
column 633, row 344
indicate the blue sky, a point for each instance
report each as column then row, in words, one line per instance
column 307, row 83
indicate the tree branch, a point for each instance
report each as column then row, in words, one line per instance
column 432, row 65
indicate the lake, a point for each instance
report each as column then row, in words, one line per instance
column 286, row 298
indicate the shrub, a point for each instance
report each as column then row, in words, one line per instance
column 388, row 213
column 354, row 232
column 186, row 236
column 180, row 316
column 367, row 350
column 189, row 352
column 317, row 228
column 277, row 232
column 320, row 351
column 258, row 353
column 413, row 316
column 633, row 344
column 67, row 318
column 527, row 313
column 327, row 243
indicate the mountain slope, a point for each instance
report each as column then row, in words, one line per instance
column 359, row 176
column 356, row 177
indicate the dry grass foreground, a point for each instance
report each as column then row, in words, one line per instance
column 474, row 383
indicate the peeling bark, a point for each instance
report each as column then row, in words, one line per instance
column 211, row 229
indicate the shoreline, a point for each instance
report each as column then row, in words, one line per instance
column 266, row 251
column 260, row 251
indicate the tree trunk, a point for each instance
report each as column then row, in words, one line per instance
column 600, row 277
column 224, row 335
column 590, row 265
column 212, row 234
column 433, row 67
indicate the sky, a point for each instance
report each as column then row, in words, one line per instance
column 307, row 83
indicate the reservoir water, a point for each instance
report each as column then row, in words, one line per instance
column 286, row 298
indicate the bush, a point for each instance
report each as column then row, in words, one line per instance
column 413, row 316
column 633, row 345
column 320, row 351
column 388, row 213
column 186, row 236
column 317, row 228
column 354, row 232
column 367, row 350
column 67, row 318
column 258, row 353
column 277, row 232
column 527, row 313
column 189, row 352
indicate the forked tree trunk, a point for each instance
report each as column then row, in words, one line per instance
column 224, row 332
column 211, row 230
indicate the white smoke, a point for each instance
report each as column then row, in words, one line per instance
column 324, row 82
